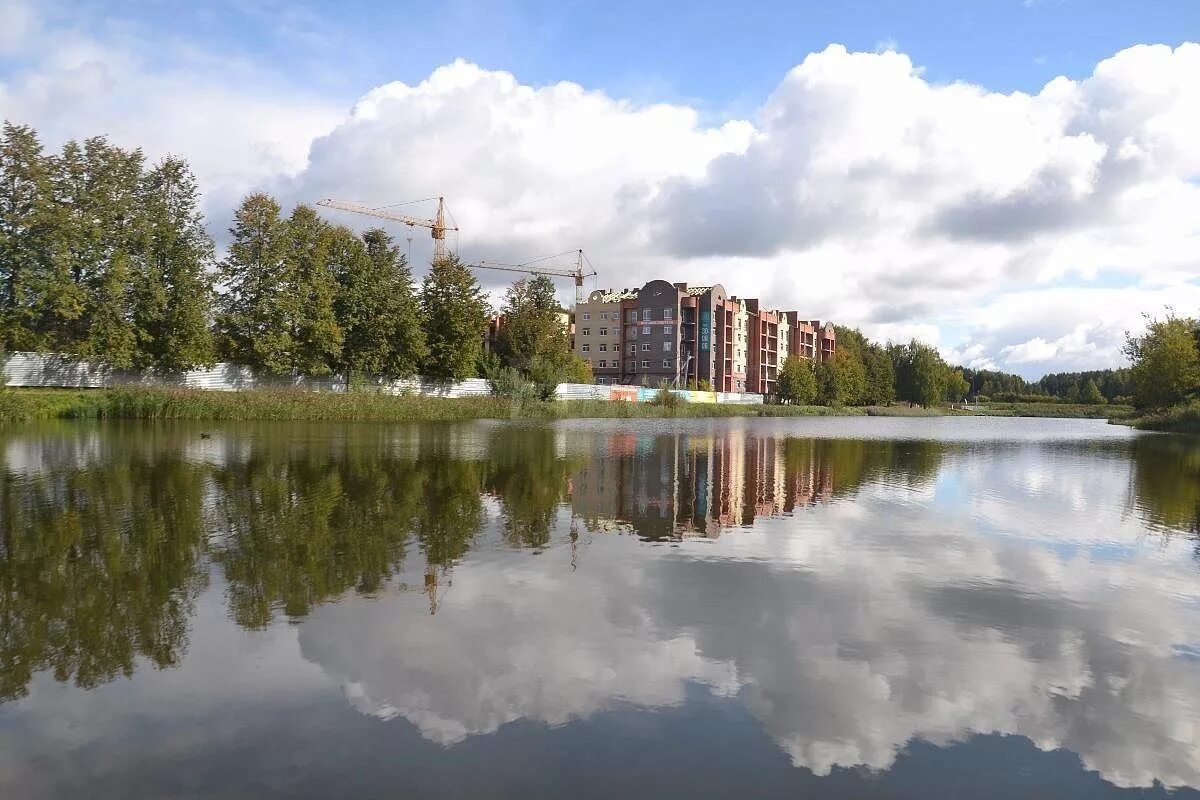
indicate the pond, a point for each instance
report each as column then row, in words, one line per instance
column 828, row 608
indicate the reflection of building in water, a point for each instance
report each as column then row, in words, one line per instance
column 697, row 484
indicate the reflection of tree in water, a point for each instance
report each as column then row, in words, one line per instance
column 101, row 563
column 98, row 566
column 852, row 464
column 1166, row 481
column 300, row 527
column 531, row 481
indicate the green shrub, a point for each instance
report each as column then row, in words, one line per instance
column 666, row 398
column 508, row 383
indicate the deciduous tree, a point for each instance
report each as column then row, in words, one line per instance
column 1166, row 362
column 797, row 382
column 173, row 283
column 252, row 324
column 454, row 313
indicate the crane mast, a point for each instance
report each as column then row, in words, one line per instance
column 437, row 226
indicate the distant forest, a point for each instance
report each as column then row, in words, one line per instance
column 1114, row 385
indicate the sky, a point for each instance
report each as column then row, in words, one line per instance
column 1014, row 181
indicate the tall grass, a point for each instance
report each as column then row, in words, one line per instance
column 22, row 405
column 1183, row 418
column 1056, row 410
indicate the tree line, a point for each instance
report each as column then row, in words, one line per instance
column 106, row 257
column 1092, row 386
column 862, row 372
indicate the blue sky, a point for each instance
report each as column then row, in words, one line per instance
column 915, row 169
column 719, row 55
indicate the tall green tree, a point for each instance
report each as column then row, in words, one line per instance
column 173, row 291
column 1091, row 393
column 841, row 380
column 97, row 189
column 922, row 377
column 881, row 375
column 928, row 375
column 25, row 194
column 956, row 385
column 454, row 312
column 376, row 307
column 797, row 381
column 532, row 325
column 252, row 324
column 1166, row 362
column 308, row 294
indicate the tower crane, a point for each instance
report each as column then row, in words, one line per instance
column 437, row 226
column 529, row 268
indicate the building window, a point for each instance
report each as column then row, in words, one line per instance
column 632, row 366
column 633, row 315
column 646, row 330
column 633, row 348
column 646, row 347
column 604, row 331
column 587, row 347
column 668, row 313
column 666, row 347
column 645, row 365
column 668, row 328
column 645, row 313
column 603, row 363
column 603, row 315
column 603, row 348
column 586, row 331
column 586, row 315
column 666, row 363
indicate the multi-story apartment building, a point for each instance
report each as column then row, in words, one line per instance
column 598, row 333
column 652, row 334
column 827, row 339
column 678, row 334
column 810, row 339
column 763, row 349
column 730, row 333
column 803, row 337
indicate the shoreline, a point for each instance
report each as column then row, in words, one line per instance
column 1180, row 419
column 19, row 405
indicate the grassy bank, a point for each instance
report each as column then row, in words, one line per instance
column 23, row 405
column 20, row 405
column 1180, row 419
column 1055, row 410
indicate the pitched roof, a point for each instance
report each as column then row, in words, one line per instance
column 617, row 295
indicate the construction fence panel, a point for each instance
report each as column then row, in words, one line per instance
column 583, row 391
column 627, row 394
column 40, row 370
column 739, row 398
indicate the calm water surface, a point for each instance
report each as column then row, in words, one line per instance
column 826, row 608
